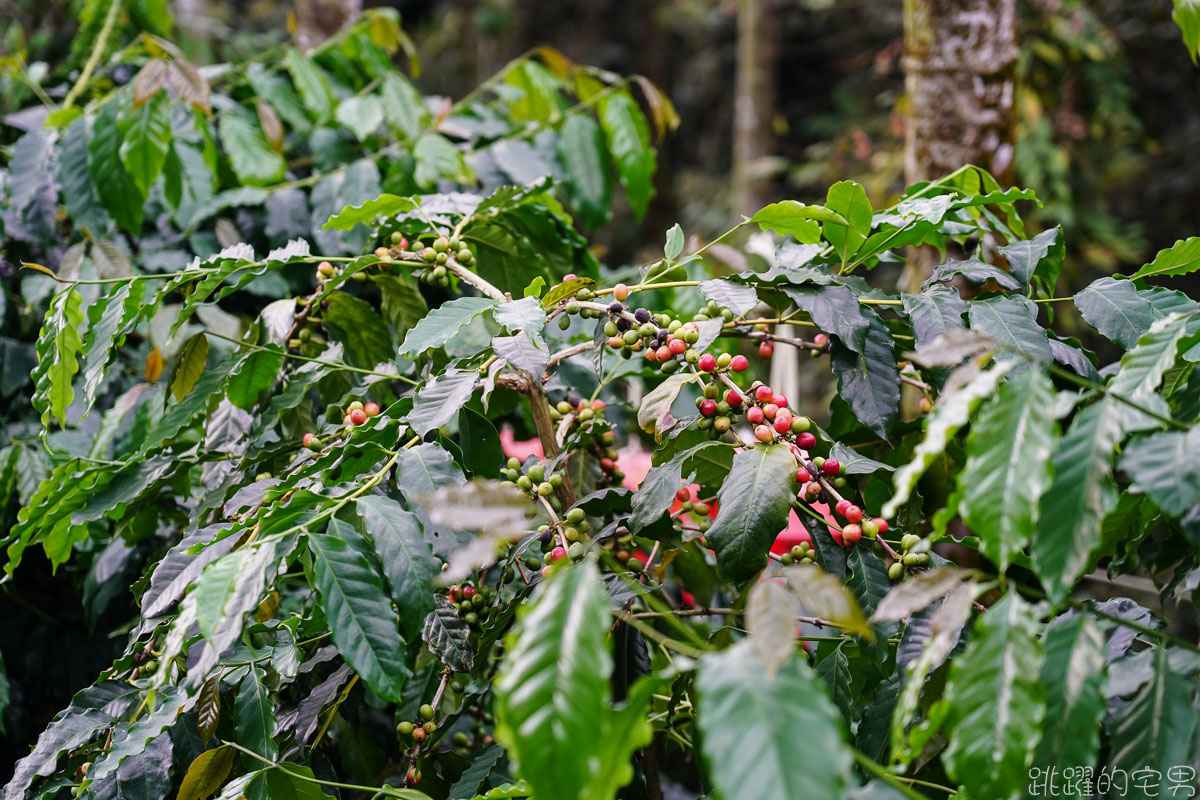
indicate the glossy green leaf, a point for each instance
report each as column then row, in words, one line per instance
column 1181, row 258
column 116, row 188
column 146, row 137
column 1166, row 467
column 436, row 403
column 769, row 737
column 933, row 312
column 1037, row 262
column 448, row 637
column 252, row 159
column 996, row 703
column 254, row 373
column 1012, row 321
column 1008, row 465
column 869, row 380
column 752, row 508
column 792, row 218
column 385, row 205
column 1073, row 675
column 629, row 143
column 950, row 414
column 255, row 715
column 443, row 324
column 1114, row 308
column 586, row 171
column 206, row 774
column 408, row 563
column 360, row 617
column 58, row 349
column 312, row 83
column 849, row 199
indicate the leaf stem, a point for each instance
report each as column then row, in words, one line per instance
column 898, row 783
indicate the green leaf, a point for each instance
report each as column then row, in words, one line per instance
column 936, row 310
column 408, row 563
column 312, row 83
column 1155, row 730
column 403, row 107
column 385, row 205
column 437, row 158
column 362, row 332
column 402, row 304
column 362, row 115
column 480, row 442
column 848, row 199
column 827, row 596
column 752, row 508
column 253, row 374
column 654, row 414
column 1011, row 320
column 189, row 365
column 118, row 191
column 554, row 711
column 835, row 310
column 360, row 617
column 276, row 90
column 424, row 469
column 769, row 737
column 255, row 712
column 869, row 380
column 147, row 135
column 58, row 348
column 1008, row 465
column 562, row 290
column 996, row 703
column 974, row 271
column 252, row 159
column 950, row 414
column 793, row 218
column 75, row 179
column 1165, row 467
column 1037, row 262
column 736, row 297
column 206, row 774
column 1181, row 258
column 1187, row 16
column 586, row 171
column 228, row 590
column 1073, row 675
column 439, row 399
column 629, row 142
column 1114, row 307
column 110, row 320
column 443, row 324
column 1078, row 499
column 1143, row 368
column 448, row 637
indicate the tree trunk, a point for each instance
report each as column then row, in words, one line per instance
column 960, row 59
column 754, row 105
column 318, row 20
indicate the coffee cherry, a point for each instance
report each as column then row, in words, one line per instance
column 557, row 554
column 621, row 292
column 821, row 340
column 763, row 433
column 763, row 393
column 642, row 315
column 371, row 409
column 426, row 711
column 800, row 424
column 405, row 728
column 723, row 360
column 739, row 363
column 802, row 476
column 733, row 398
column 770, row 410
column 831, row 466
column 754, row 415
column 909, row 540
column 324, row 270
column 853, row 514
column 895, row 570
column 575, row 516
column 683, row 494
column 869, row 529
column 782, row 424
column 708, row 408
column 429, row 255
column 418, row 735
column 840, row 508
column 880, row 523
column 663, row 353
column 677, row 346
column 806, row 441
column 545, row 489
column 722, row 424
column 358, row 417
column 308, row 439
column 851, row 534
column 766, row 349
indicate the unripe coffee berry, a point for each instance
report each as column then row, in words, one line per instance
column 723, row 360
column 621, row 292
column 426, row 711
column 545, row 489
column 575, row 516
column 308, row 439
column 405, row 728
column 800, row 424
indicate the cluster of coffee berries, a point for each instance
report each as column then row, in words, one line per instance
column 856, row 526
column 357, row 413
column 418, row 730
column 722, row 363
column 665, row 341
column 575, row 531
column 471, row 603
column 397, row 245
column 577, row 409
column 802, row 553
column 914, row 554
column 701, row 511
column 535, row 480
column 713, row 311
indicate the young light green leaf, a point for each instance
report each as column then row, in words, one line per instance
column 793, row 218
column 147, row 135
column 252, row 158
column 849, row 199
column 1181, row 258
column 206, row 773
column 674, row 245
column 312, row 83
column 58, row 348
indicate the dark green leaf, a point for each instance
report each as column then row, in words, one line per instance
column 448, row 637
column 974, row 271
column 118, row 191
column 870, row 379
column 835, row 310
column 440, row 398
column 255, row 721
column 443, row 324
column 1011, row 320
column 1073, row 675
column 585, row 168
column 1166, row 467
column 482, row 452
column 407, row 561
column 933, row 312
column 753, row 506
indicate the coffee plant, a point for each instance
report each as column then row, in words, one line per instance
column 353, row 580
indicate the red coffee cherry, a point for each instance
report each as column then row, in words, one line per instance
column 831, row 466
column 840, row 508
column 783, row 424
column 683, row 494
column 802, row 476
column 739, row 364
column 880, row 523
column 372, row 409
column 358, row 417
column 308, row 438
column 733, row 398
column 557, row 554
column 707, row 363
column 766, row 349
column 677, row 346
column 763, row 433
column 851, row 534
column 754, row 415
column 821, row 340
column 779, row 400
column 770, row 410
column 763, row 394
column 853, row 514
column 806, row 441
column 708, row 408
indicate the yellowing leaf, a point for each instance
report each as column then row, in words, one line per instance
column 154, row 365
column 206, row 774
